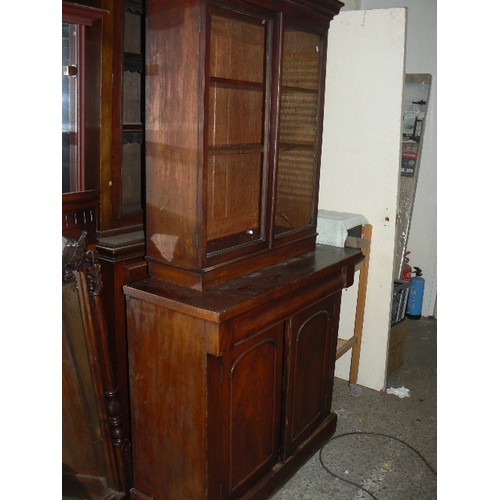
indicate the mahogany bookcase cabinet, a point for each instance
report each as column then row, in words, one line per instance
column 232, row 337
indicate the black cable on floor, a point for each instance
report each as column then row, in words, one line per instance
column 360, row 433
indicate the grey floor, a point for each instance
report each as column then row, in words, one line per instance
column 381, row 467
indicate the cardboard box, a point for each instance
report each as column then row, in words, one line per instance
column 396, row 350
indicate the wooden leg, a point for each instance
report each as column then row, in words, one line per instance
column 360, row 304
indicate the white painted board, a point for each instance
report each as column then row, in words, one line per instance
column 361, row 160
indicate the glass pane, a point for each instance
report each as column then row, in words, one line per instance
column 70, row 167
column 236, row 125
column 132, row 161
column 132, row 97
column 237, row 47
column 235, row 115
column 298, row 127
column 131, row 178
column 234, row 193
column 132, row 32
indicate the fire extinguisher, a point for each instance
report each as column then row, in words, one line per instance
column 406, row 271
column 415, row 295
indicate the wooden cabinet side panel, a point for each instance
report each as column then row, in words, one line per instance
column 167, row 370
column 174, row 141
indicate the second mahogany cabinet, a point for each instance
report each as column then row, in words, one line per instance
column 234, row 111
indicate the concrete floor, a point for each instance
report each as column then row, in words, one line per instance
column 385, row 468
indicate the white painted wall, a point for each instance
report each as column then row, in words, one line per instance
column 421, row 49
column 361, row 158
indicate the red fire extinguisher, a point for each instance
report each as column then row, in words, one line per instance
column 406, row 271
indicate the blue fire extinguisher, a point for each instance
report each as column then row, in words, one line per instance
column 415, row 295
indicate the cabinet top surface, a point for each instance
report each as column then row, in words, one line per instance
column 243, row 293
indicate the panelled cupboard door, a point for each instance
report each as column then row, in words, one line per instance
column 311, row 341
column 252, row 386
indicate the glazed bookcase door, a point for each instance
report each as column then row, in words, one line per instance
column 129, row 184
column 122, row 165
column 132, row 132
column 299, row 131
column 237, row 129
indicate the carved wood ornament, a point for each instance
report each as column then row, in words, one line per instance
column 81, row 265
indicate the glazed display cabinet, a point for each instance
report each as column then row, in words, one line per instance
column 234, row 111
